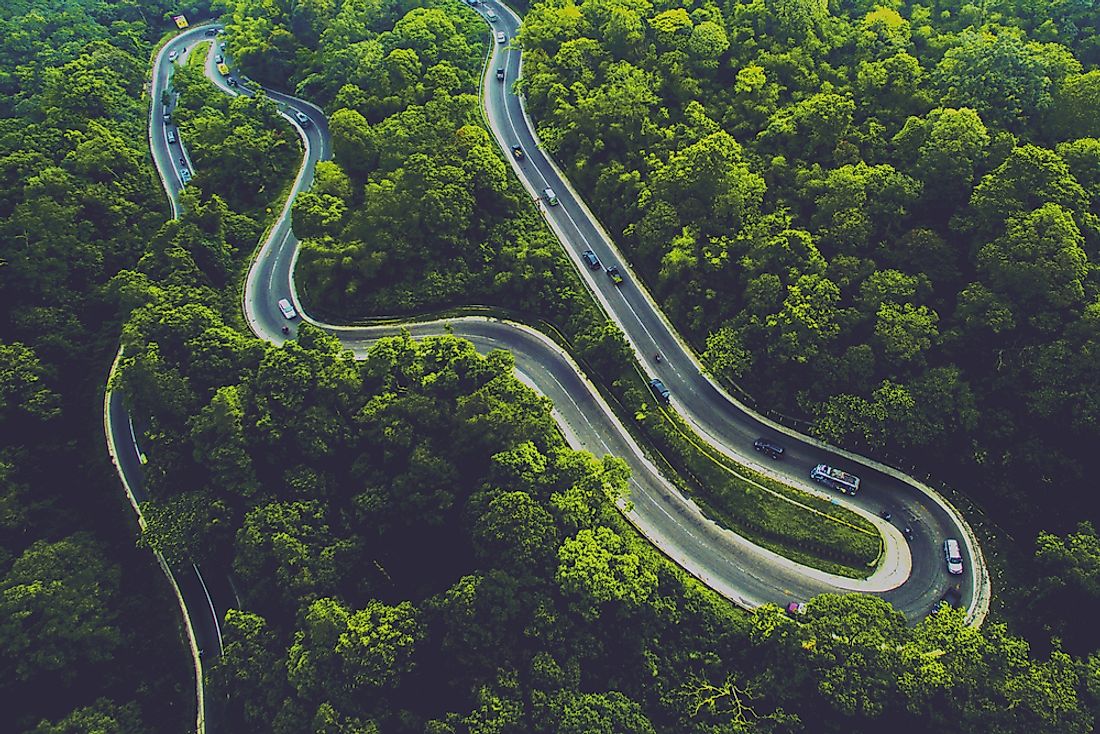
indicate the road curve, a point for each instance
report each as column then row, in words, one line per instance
column 913, row 577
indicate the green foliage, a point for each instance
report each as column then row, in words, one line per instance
column 58, row 606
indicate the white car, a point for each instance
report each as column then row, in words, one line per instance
column 953, row 555
column 172, row 55
column 287, row 309
column 501, row 38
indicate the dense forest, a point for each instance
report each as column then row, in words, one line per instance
column 416, row 548
column 90, row 633
column 882, row 219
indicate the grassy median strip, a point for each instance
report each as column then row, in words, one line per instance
column 795, row 524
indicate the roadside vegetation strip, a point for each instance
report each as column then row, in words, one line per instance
column 797, row 531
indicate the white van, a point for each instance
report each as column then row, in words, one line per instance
column 953, row 555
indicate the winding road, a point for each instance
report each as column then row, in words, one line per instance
column 913, row 576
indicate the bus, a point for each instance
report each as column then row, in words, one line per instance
column 223, row 69
column 839, row 480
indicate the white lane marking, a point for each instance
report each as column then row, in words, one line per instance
column 213, row 612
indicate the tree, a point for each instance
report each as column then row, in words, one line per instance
column 378, row 643
column 58, row 610
column 286, row 551
column 1075, row 105
column 906, row 331
column 517, row 534
column 1038, row 263
column 249, row 673
column 600, row 713
column 810, row 129
column 1007, row 81
column 101, row 717
column 806, row 323
column 946, row 145
column 1029, row 178
column 596, row 567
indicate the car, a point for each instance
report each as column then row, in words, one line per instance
column 171, row 135
column 211, row 32
column 886, row 515
column 517, row 152
column 660, row 390
column 231, row 81
column 185, row 175
column 551, row 197
column 172, row 55
column 287, row 308
column 590, row 258
column 795, row 608
column 219, row 59
column 221, row 46
column 768, row 448
column 223, row 69
column 183, row 162
column 615, row 275
column 491, row 16
column 501, row 38
column 953, row 556
column 301, row 118
column 500, row 74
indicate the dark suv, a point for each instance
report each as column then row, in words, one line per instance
column 770, row 448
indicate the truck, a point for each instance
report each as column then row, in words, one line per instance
column 832, row 477
column 223, row 69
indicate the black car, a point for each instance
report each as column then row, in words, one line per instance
column 591, row 259
column 500, row 74
column 768, row 448
column 660, row 390
column 211, row 32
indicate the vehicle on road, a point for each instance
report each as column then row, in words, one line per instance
column 231, row 81
column 660, row 390
column 796, row 608
column 210, row 32
column 219, row 59
column 165, row 114
column 185, row 176
column 768, row 448
column 500, row 74
column 832, row 477
column 615, row 275
column 223, row 69
column 492, row 16
column 551, row 197
column 287, row 308
column 953, row 556
column 171, row 135
column 301, row 117
column 907, row 531
column 590, row 257
column 183, row 162
column 517, row 152
column 501, row 38
column 886, row 515
column 172, row 55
